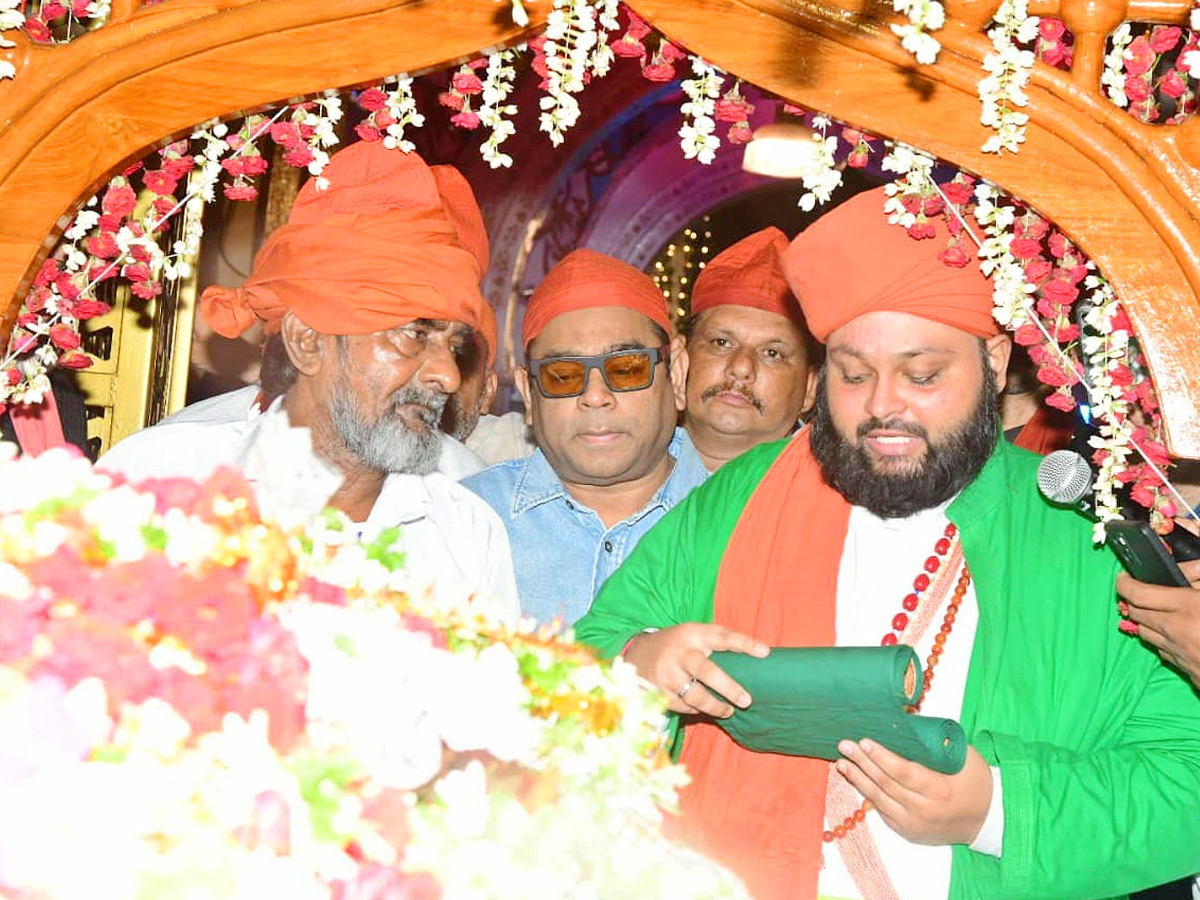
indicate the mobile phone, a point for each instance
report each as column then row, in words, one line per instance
column 1143, row 553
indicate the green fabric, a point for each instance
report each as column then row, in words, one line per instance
column 1097, row 742
column 806, row 699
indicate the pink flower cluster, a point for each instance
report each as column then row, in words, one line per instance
column 658, row 67
column 1156, row 80
column 464, row 86
column 736, row 110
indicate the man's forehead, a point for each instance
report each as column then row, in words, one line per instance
column 596, row 329
column 454, row 327
column 758, row 324
column 890, row 334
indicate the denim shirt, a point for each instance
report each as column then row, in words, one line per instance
column 561, row 550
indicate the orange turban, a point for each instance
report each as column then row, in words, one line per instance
column 750, row 273
column 390, row 240
column 584, row 279
column 851, row 262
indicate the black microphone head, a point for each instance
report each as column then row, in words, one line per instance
column 1064, row 477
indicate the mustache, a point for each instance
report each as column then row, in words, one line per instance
column 430, row 403
column 730, row 387
column 898, row 425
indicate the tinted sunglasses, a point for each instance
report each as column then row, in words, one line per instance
column 622, row 370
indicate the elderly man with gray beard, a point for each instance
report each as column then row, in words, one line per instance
column 369, row 297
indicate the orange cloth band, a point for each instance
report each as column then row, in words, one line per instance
column 851, row 262
column 749, row 273
column 585, row 279
column 391, row 240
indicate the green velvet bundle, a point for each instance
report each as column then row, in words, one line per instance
column 807, row 699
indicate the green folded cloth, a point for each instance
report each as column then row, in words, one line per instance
column 807, row 699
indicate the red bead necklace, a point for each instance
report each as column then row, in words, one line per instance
column 899, row 623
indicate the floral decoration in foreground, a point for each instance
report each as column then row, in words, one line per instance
column 196, row 702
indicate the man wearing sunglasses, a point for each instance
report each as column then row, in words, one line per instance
column 750, row 363
column 610, row 462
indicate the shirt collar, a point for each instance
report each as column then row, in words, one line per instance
column 540, row 484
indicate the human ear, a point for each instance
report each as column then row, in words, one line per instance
column 521, row 379
column 679, row 371
column 491, row 383
column 810, row 390
column 305, row 347
column 998, row 350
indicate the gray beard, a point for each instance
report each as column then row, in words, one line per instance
column 390, row 444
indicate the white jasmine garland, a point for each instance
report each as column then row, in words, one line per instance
column 1009, row 68
column 494, row 113
column 572, row 50
column 11, row 18
column 824, row 177
column 924, row 16
column 697, row 134
column 401, row 106
column 1112, row 79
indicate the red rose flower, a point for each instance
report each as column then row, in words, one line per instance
column 1055, row 375
column 858, row 158
column 740, row 133
column 451, row 100
column 959, row 192
column 1136, row 88
column 103, row 246
column 1064, row 334
column 1037, row 269
column 80, row 8
column 465, row 119
column 256, row 164
column 136, row 272
column 73, row 360
column 159, row 182
column 178, row 166
column 672, row 53
column 733, row 109
column 1060, row 292
column 1164, row 38
column 659, row 72
column 285, row 133
column 1025, row 248
column 1027, row 335
column 103, row 272
column 1139, row 56
column 1060, row 400
column 956, row 255
column 1173, row 84
column 52, row 9
column 38, row 31
column 110, row 222
column 47, row 273
column 164, row 205
column 922, row 230
column 147, row 290
column 89, row 308
column 119, row 200
column 637, row 28
column 467, row 83
column 372, row 99
column 1051, row 29
column 240, row 191
column 67, row 287
column 299, row 156
column 367, row 132
column 1059, row 245
column 628, row 48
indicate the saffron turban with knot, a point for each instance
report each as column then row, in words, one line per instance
column 750, row 273
column 585, row 279
column 391, row 240
column 852, row 261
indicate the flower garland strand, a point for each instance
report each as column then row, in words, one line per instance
column 494, row 113
column 923, row 17
column 697, row 135
column 1009, row 66
column 824, row 177
column 392, row 108
column 571, row 35
column 11, row 18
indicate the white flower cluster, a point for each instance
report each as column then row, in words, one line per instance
column 1011, row 291
column 571, row 38
column 916, row 177
column 823, row 177
column 1112, row 79
column 402, row 107
column 1009, row 68
column 698, row 134
column 494, row 113
column 11, row 18
column 323, row 119
column 924, row 16
column 1103, row 348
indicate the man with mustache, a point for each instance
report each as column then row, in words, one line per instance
column 899, row 517
column 610, row 462
column 750, row 365
column 369, row 295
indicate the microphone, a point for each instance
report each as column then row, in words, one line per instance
column 1066, row 477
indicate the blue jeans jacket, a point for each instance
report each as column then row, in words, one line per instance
column 561, row 550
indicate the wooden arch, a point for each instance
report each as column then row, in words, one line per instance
column 1127, row 193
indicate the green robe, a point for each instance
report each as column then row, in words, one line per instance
column 1098, row 742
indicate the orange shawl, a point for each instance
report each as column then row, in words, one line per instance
column 761, row 813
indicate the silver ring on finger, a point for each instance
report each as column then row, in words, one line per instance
column 687, row 687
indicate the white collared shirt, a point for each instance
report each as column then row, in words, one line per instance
column 880, row 560
column 450, row 537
